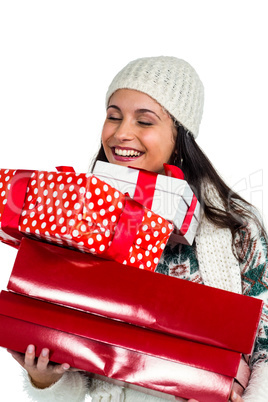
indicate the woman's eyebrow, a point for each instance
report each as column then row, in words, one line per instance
column 147, row 111
column 115, row 107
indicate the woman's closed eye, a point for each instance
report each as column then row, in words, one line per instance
column 141, row 122
column 114, row 118
column 145, row 123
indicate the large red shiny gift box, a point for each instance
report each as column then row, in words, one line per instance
column 135, row 355
column 147, row 299
column 78, row 210
column 185, row 338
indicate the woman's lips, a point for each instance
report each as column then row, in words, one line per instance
column 126, row 154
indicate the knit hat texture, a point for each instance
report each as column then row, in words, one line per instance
column 172, row 82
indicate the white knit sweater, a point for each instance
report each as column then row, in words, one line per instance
column 213, row 250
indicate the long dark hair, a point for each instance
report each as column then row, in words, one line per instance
column 201, row 175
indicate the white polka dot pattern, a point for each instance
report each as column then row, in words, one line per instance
column 81, row 211
column 6, row 176
column 5, row 181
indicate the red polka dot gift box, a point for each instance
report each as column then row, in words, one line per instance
column 78, row 210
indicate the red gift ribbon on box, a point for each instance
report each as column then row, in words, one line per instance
column 145, row 187
column 125, row 231
column 177, row 173
column 173, row 171
column 15, row 201
column 187, row 220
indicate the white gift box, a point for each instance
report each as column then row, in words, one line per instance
column 169, row 197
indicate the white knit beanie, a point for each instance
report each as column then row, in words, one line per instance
column 172, row 82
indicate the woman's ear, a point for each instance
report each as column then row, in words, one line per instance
column 175, row 157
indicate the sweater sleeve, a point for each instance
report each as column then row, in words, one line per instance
column 254, row 274
column 72, row 387
column 257, row 389
column 102, row 391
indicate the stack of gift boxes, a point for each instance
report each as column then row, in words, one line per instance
column 75, row 287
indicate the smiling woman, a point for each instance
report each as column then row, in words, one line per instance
column 137, row 131
column 154, row 109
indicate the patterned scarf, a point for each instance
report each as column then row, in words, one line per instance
column 217, row 263
column 214, row 251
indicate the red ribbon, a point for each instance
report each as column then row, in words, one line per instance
column 65, row 169
column 145, row 187
column 15, row 202
column 173, row 171
column 126, row 230
column 188, row 218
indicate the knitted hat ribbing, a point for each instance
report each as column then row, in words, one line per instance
column 172, row 82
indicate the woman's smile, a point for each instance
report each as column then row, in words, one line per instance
column 125, row 153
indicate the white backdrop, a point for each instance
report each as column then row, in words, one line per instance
column 58, row 57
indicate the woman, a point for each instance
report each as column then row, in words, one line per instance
column 154, row 108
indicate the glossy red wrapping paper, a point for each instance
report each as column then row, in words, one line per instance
column 162, row 352
column 147, row 299
column 117, row 350
column 83, row 212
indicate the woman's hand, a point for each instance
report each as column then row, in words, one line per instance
column 42, row 373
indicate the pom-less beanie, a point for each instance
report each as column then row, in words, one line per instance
column 172, row 82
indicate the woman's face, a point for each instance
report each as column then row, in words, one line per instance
column 137, row 131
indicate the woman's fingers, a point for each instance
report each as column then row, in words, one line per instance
column 42, row 372
column 235, row 397
column 43, row 360
column 29, row 359
column 60, row 369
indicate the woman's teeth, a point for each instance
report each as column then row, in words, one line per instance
column 127, row 152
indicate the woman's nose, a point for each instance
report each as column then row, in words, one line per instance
column 125, row 131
